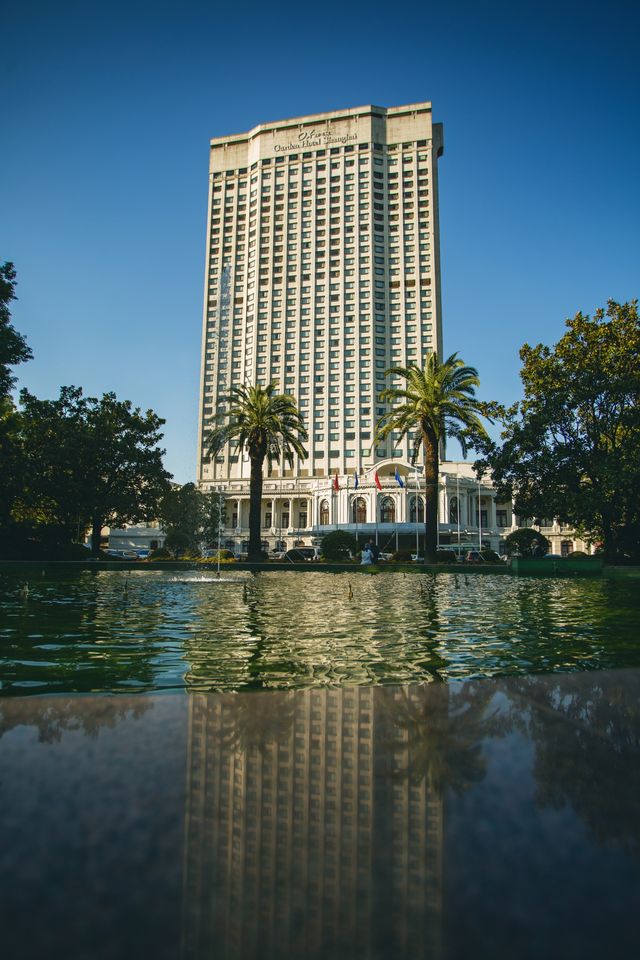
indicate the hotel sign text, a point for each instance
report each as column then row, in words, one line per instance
column 310, row 139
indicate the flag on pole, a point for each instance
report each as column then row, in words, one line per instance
column 336, row 485
column 356, row 483
column 376, row 480
column 399, row 479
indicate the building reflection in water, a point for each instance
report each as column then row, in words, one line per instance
column 310, row 831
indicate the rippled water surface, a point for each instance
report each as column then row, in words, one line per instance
column 159, row 630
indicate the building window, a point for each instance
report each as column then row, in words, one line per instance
column 359, row 510
column 501, row 518
column 324, row 513
column 416, row 516
column 387, row 510
column 453, row 510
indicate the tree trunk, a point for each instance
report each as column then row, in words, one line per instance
column 96, row 529
column 431, row 470
column 255, row 505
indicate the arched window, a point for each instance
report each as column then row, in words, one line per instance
column 359, row 510
column 453, row 510
column 416, row 516
column 387, row 510
column 324, row 513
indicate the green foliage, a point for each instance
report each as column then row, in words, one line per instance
column 446, row 556
column 527, row 542
column 265, row 424
column 571, row 448
column 490, row 556
column 339, row 545
column 213, row 517
column 160, row 554
column 13, row 346
column 436, row 402
column 403, row 556
column 32, row 541
column 89, row 462
column 177, row 542
column 182, row 514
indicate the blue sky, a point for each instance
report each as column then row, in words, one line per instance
column 107, row 115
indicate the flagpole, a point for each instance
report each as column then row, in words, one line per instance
column 347, row 497
column 458, row 502
column 355, row 486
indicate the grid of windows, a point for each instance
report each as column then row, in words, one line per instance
column 321, row 271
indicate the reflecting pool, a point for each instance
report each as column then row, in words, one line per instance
column 153, row 630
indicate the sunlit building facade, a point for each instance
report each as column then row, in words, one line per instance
column 323, row 270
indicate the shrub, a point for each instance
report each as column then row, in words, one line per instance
column 490, row 556
column 403, row 556
column 527, row 542
column 160, row 554
column 339, row 545
column 446, row 556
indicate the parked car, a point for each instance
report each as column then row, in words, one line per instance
column 473, row 556
column 552, row 556
column 416, row 558
column 302, row 554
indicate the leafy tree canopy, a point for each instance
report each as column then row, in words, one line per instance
column 527, row 542
column 571, row 448
column 435, row 402
column 13, row 346
column 265, row 424
column 338, row 544
column 190, row 517
column 91, row 461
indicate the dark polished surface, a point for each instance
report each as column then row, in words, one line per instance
column 483, row 819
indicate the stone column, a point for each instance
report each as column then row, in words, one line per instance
column 492, row 513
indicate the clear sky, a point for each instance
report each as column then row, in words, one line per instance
column 108, row 110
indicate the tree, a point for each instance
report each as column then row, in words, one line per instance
column 267, row 425
column 339, row 545
column 183, row 513
column 91, row 462
column 13, row 346
column 571, row 447
column 437, row 402
column 527, row 542
column 214, row 517
column 13, row 350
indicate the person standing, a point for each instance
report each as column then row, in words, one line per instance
column 366, row 556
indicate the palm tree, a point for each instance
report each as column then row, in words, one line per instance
column 437, row 402
column 265, row 424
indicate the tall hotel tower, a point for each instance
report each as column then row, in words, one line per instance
column 322, row 272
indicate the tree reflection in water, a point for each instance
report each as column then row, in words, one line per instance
column 586, row 732
column 443, row 731
column 53, row 716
